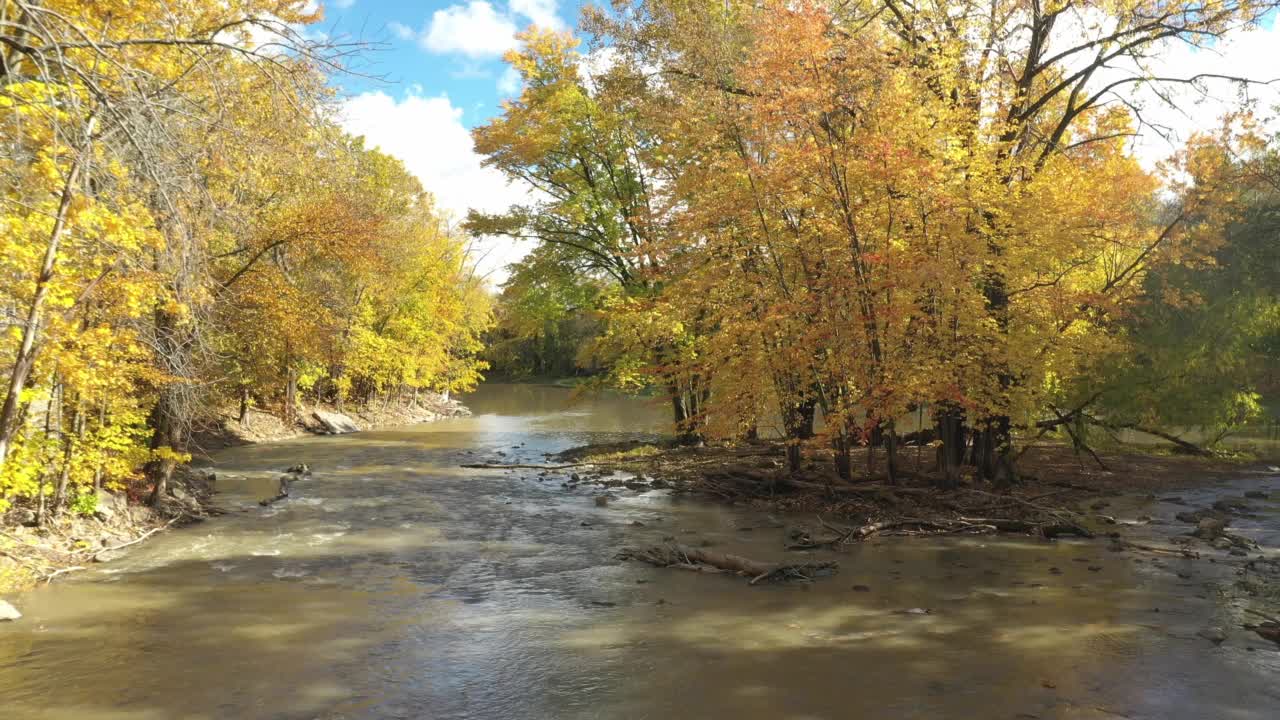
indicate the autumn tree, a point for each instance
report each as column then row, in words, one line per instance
column 183, row 223
column 583, row 140
column 892, row 207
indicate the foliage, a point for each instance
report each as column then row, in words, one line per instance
column 182, row 225
column 546, row 319
column 874, row 207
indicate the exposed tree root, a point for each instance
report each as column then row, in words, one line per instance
column 690, row 558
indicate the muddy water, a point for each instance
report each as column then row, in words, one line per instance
column 394, row 584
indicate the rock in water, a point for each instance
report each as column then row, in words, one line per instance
column 1210, row 528
column 1215, row 635
column 299, row 469
column 335, row 423
column 8, row 612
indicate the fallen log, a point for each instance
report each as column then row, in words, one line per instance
column 521, row 466
column 691, row 558
column 1047, row 529
column 1180, row 552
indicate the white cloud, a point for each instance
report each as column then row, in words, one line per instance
column 400, row 30
column 475, row 30
column 479, row 30
column 510, row 82
column 539, row 12
column 427, row 135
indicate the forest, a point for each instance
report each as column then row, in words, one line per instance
column 887, row 214
column 671, row 359
column 813, row 221
column 184, row 227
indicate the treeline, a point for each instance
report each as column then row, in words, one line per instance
column 870, row 210
column 185, row 228
column 546, row 320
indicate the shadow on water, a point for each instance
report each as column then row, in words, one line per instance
column 394, row 584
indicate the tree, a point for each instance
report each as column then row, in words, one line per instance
column 895, row 206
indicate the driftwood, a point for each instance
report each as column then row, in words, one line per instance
column 520, row 466
column 690, row 558
column 135, row 541
column 1180, row 552
column 49, row 578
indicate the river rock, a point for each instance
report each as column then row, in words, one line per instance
column 1256, row 495
column 8, row 612
column 1230, row 505
column 1210, row 528
column 110, row 505
column 335, row 423
column 23, row 516
column 299, row 469
column 1215, row 635
column 1195, row 516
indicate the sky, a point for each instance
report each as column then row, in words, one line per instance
column 438, row 72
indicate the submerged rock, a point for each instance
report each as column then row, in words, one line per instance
column 1231, row 504
column 1195, row 516
column 1210, row 528
column 8, row 612
column 1215, row 635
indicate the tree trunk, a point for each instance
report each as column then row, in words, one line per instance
column 684, row 410
column 797, row 423
column 891, row 452
column 950, row 423
column 244, row 405
column 290, row 396
column 166, row 434
column 168, row 423
column 840, row 450
column 807, row 410
column 28, row 346
column 874, row 439
column 68, row 449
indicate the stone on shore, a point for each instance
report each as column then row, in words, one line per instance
column 8, row 612
column 335, row 423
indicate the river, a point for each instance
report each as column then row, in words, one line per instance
column 394, row 584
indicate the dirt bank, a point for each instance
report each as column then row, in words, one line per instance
column 225, row 429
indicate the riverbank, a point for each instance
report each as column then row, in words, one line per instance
column 499, row 593
column 227, row 429
column 1211, row 521
column 32, row 553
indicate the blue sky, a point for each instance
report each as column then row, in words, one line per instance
column 440, row 73
column 434, row 47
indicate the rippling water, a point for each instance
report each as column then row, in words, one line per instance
column 394, row 584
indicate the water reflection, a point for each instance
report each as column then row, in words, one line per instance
column 395, row 584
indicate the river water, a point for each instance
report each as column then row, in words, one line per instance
column 394, row 584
